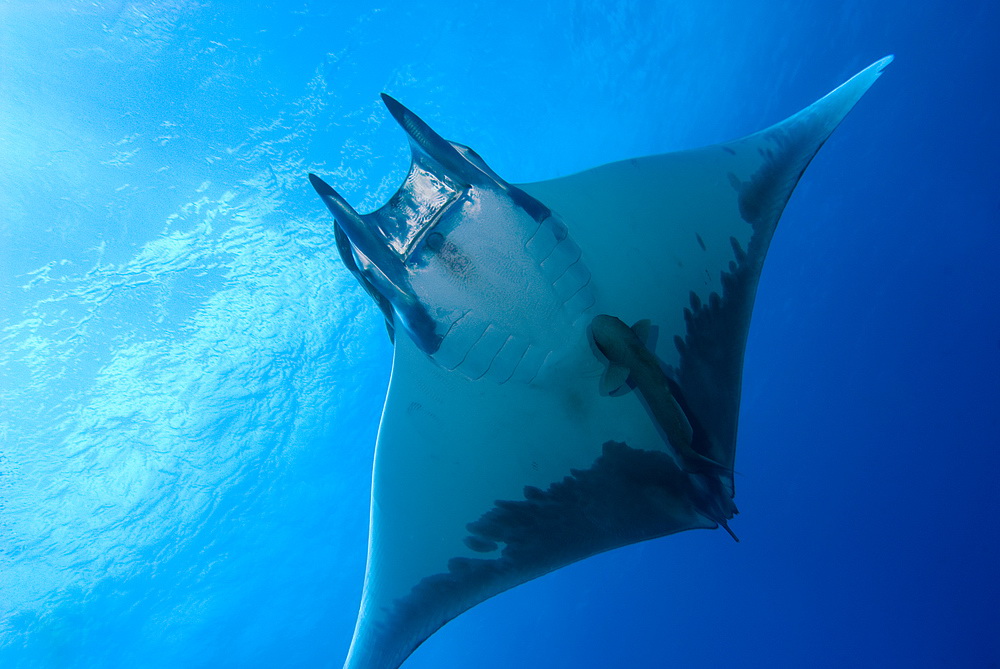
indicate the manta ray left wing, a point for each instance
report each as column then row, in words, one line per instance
column 501, row 454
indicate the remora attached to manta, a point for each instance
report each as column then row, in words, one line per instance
column 503, row 453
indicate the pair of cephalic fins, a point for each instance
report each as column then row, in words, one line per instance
column 502, row 453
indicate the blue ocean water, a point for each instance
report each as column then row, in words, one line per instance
column 190, row 382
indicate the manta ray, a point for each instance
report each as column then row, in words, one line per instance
column 527, row 425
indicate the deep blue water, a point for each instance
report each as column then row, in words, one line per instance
column 190, row 382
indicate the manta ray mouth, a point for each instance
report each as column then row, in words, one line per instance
column 411, row 215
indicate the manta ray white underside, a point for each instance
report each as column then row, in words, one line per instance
column 510, row 444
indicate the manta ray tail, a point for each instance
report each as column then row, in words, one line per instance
column 725, row 526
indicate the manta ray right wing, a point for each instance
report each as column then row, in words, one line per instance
column 681, row 239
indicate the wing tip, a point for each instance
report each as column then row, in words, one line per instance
column 831, row 109
column 884, row 62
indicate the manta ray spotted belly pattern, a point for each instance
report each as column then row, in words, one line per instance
column 512, row 442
